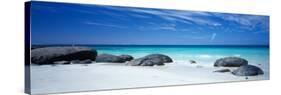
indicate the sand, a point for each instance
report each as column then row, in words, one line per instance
column 105, row 76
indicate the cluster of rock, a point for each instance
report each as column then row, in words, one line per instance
column 243, row 68
column 63, row 55
column 85, row 55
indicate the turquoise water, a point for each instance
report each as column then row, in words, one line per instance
column 205, row 55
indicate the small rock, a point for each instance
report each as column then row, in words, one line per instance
column 192, row 62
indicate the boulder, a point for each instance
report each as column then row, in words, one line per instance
column 222, row 70
column 161, row 57
column 126, row 57
column 151, row 60
column 109, row 58
column 230, row 62
column 48, row 55
column 248, row 70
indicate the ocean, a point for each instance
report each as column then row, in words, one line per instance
column 205, row 55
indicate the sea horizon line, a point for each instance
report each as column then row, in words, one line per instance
column 136, row 45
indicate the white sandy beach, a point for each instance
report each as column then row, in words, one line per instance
column 104, row 76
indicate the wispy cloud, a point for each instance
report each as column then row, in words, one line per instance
column 213, row 37
column 187, row 17
column 241, row 19
column 170, row 27
column 203, row 19
column 104, row 25
column 246, row 22
column 139, row 16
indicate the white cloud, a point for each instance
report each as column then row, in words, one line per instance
column 187, row 17
column 213, row 37
column 171, row 27
column 168, row 28
column 245, row 22
column 180, row 16
column 139, row 16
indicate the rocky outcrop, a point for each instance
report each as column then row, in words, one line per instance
column 151, row 60
column 248, row 70
column 230, row 62
column 48, row 55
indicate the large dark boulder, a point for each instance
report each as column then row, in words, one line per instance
column 48, row 55
column 126, row 57
column 161, row 57
column 151, row 60
column 248, row 70
column 230, row 62
column 109, row 58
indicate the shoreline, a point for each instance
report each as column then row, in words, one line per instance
column 99, row 76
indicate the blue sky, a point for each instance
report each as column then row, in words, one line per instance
column 59, row 23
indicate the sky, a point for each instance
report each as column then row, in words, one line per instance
column 65, row 23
